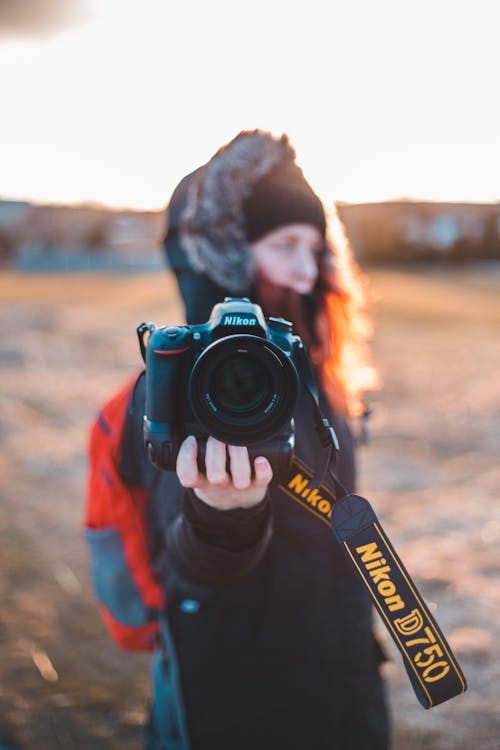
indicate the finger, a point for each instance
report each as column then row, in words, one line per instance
column 186, row 466
column 240, row 466
column 263, row 472
column 215, row 462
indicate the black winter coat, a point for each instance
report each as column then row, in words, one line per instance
column 270, row 624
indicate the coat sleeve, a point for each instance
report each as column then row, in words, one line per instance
column 129, row 595
column 214, row 547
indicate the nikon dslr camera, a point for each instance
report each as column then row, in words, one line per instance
column 234, row 377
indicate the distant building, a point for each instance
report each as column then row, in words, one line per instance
column 35, row 237
column 406, row 230
column 13, row 212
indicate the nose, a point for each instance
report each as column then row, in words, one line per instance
column 305, row 266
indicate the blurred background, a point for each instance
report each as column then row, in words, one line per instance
column 105, row 105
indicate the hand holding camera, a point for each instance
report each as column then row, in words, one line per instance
column 218, row 488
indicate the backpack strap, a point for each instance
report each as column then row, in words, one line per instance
column 167, row 726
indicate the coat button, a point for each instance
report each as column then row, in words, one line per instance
column 189, row 606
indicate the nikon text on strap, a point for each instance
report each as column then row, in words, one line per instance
column 432, row 668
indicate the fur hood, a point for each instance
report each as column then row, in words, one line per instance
column 212, row 223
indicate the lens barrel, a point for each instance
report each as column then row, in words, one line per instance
column 243, row 389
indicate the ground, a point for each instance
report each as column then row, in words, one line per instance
column 431, row 471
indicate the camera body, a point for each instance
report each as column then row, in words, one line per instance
column 234, row 377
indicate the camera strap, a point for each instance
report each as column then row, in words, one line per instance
column 429, row 661
column 432, row 668
column 325, row 431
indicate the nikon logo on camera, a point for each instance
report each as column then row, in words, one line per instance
column 238, row 320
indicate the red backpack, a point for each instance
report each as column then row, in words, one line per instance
column 129, row 594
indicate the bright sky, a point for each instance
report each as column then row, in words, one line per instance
column 381, row 99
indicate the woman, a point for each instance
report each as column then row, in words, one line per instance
column 260, row 628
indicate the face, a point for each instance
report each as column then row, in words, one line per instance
column 288, row 256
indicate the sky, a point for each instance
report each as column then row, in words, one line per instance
column 114, row 101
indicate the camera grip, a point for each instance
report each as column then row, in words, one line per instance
column 165, row 358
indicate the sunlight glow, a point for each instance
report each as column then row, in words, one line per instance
column 381, row 100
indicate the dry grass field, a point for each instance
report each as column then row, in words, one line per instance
column 431, row 470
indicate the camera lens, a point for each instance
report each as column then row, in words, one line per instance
column 240, row 383
column 243, row 389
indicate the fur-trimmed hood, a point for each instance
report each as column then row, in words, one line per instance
column 212, row 224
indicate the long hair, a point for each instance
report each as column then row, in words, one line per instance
column 343, row 326
column 333, row 322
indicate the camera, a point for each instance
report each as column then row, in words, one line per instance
column 234, row 377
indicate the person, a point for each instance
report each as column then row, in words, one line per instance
column 260, row 628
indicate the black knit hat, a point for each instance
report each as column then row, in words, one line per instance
column 280, row 197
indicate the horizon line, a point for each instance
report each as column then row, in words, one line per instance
column 101, row 205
